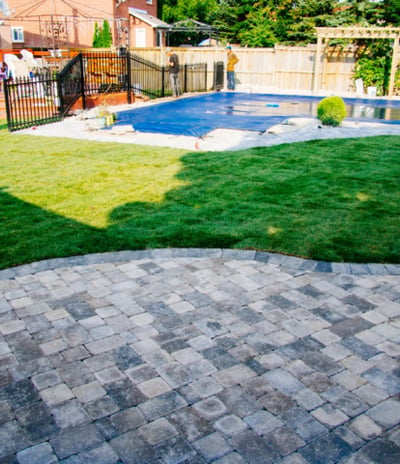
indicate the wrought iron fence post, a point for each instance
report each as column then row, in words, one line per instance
column 163, row 81
column 60, row 93
column 83, row 82
column 128, row 76
column 185, row 73
column 7, row 98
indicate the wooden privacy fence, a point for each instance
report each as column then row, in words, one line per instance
column 282, row 69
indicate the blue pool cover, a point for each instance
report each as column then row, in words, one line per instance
column 198, row 115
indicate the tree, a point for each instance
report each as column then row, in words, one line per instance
column 96, row 36
column 102, row 37
column 230, row 18
column 266, row 22
column 297, row 23
column 107, row 36
column 259, row 29
column 391, row 12
column 256, row 23
column 199, row 10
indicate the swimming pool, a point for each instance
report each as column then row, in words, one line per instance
column 198, row 115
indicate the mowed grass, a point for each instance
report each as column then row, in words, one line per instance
column 334, row 200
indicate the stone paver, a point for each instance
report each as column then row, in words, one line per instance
column 198, row 356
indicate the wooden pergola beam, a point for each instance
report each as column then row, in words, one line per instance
column 326, row 33
column 358, row 32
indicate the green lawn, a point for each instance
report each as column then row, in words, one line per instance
column 336, row 200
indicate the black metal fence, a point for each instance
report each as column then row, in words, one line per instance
column 31, row 101
column 105, row 72
column 195, row 77
column 147, row 78
column 70, row 84
column 48, row 97
column 153, row 80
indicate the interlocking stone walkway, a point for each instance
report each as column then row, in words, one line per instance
column 199, row 356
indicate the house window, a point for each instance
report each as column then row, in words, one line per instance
column 140, row 37
column 17, row 34
column 149, row 2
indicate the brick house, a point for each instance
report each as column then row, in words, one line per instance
column 70, row 24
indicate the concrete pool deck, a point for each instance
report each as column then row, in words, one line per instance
column 81, row 127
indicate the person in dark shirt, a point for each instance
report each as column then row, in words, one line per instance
column 174, row 73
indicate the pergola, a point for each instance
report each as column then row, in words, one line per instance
column 326, row 33
column 192, row 26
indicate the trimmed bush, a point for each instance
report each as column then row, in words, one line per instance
column 331, row 111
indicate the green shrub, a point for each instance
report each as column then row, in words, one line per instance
column 331, row 111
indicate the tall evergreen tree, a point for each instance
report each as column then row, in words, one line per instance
column 96, row 36
column 106, row 35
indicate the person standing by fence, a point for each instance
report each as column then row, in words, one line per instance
column 174, row 73
column 230, row 68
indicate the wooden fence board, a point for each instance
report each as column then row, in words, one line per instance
column 280, row 68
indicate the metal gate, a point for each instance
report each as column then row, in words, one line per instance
column 219, row 75
column 153, row 80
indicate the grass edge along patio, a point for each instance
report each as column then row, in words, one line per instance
column 332, row 200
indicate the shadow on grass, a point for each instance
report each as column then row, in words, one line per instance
column 31, row 233
column 325, row 207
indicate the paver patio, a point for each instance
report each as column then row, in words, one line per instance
column 199, row 356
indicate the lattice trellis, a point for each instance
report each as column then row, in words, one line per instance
column 54, row 32
column 326, row 33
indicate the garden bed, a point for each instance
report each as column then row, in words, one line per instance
column 92, row 101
